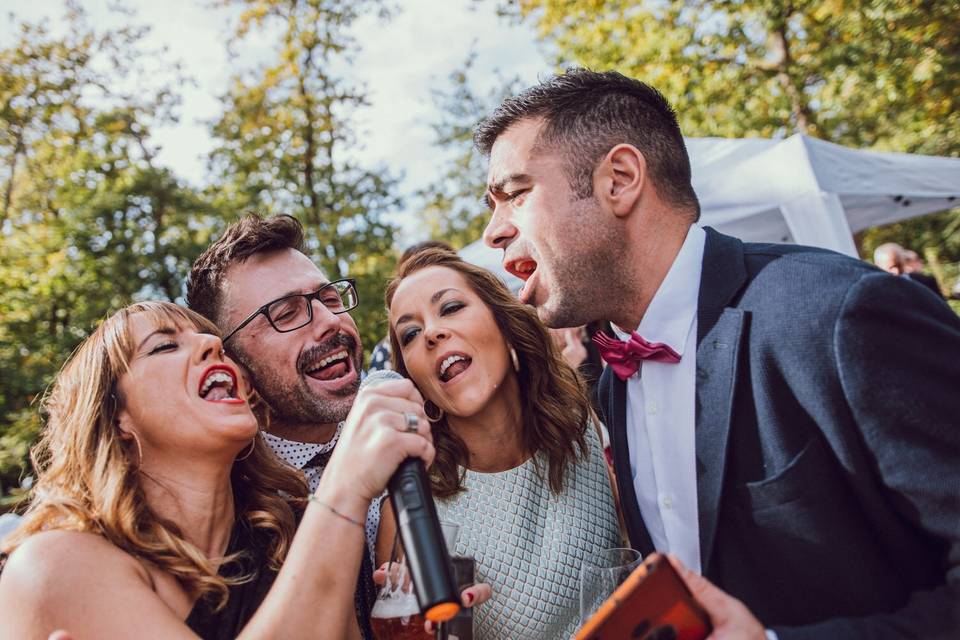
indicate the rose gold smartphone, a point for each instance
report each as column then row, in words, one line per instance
column 653, row 603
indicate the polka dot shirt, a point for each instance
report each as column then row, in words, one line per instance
column 297, row 454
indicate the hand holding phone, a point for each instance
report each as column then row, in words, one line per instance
column 652, row 604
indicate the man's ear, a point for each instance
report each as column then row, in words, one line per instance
column 620, row 179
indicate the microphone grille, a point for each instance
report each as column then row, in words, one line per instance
column 381, row 375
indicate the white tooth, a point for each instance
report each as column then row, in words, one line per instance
column 216, row 376
column 449, row 361
column 340, row 355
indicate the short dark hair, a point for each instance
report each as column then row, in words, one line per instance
column 249, row 236
column 586, row 113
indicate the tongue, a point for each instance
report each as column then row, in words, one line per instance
column 456, row 368
column 330, row 372
column 217, row 393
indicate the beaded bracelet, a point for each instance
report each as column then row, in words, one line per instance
column 313, row 498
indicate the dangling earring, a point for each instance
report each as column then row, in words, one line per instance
column 515, row 359
column 253, row 445
column 427, row 412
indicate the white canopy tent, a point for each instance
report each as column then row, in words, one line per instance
column 801, row 190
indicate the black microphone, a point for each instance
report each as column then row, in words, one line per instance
column 427, row 556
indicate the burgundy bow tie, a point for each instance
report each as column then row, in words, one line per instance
column 624, row 357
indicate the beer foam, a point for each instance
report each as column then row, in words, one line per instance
column 401, row 606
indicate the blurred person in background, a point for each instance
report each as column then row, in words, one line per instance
column 889, row 257
column 913, row 268
column 894, row 259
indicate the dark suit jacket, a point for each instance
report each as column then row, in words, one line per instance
column 827, row 444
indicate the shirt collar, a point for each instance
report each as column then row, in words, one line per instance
column 297, row 454
column 674, row 307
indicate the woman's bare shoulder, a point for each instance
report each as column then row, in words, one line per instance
column 83, row 583
column 48, row 560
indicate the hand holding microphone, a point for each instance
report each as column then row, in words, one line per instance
column 377, row 436
column 418, row 524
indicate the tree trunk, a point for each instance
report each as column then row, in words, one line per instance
column 15, row 158
column 803, row 118
column 313, row 208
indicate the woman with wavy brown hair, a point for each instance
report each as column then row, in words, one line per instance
column 160, row 513
column 519, row 463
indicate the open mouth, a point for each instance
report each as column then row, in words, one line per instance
column 219, row 384
column 524, row 268
column 452, row 366
column 331, row 366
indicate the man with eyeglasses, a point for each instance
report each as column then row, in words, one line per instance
column 290, row 327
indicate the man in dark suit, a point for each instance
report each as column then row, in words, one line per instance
column 794, row 434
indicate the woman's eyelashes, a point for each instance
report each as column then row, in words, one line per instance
column 408, row 334
column 446, row 309
column 450, row 307
column 163, row 346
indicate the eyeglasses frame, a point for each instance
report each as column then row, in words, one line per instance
column 310, row 298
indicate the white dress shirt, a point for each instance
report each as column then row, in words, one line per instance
column 661, row 416
column 298, row 454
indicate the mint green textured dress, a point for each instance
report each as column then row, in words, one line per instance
column 529, row 544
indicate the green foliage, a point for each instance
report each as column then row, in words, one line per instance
column 89, row 222
column 452, row 206
column 878, row 74
column 282, row 138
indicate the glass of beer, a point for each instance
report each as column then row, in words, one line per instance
column 396, row 612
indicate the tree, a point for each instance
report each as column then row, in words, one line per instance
column 89, row 222
column 880, row 74
column 282, row 140
column 452, row 207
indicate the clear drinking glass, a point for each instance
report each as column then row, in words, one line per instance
column 396, row 612
column 601, row 574
column 451, row 533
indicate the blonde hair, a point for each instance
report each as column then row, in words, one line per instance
column 88, row 480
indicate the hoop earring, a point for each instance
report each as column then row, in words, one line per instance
column 515, row 359
column 430, row 418
column 253, row 445
column 139, row 449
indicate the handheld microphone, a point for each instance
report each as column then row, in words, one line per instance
column 427, row 556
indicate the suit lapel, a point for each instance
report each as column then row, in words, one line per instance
column 719, row 333
column 615, row 391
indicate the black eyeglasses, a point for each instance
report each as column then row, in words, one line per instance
column 292, row 312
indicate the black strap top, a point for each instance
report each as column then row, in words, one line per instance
column 245, row 598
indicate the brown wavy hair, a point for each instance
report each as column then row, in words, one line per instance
column 88, row 477
column 555, row 408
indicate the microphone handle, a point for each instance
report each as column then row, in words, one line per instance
column 428, row 559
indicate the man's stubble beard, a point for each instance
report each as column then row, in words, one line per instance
column 296, row 404
column 584, row 281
